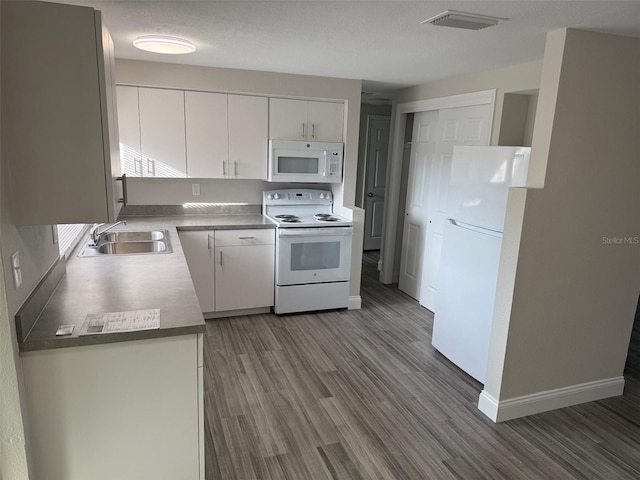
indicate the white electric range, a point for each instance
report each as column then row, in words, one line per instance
column 313, row 250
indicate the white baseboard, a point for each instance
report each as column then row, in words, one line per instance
column 499, row 411
column 355, row 302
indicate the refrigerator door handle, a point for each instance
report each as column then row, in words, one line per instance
column 468, row 226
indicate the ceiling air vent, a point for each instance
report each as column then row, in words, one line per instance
column 468, row 21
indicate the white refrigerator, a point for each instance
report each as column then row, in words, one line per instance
column 476, row 208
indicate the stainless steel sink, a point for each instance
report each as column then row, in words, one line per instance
column 152, row 235
column 123, row 248
column 129, row 243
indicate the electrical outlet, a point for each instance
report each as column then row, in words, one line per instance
column 17, row 270
column 195, row 189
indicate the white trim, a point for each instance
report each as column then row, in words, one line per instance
column 482, row 97
column 517, row 407
column 394, row 163
column 355, row 302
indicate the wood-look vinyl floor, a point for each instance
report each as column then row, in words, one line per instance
column 363, row 395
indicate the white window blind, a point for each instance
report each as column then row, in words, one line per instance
column 68, row 234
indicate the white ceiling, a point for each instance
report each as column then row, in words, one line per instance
column 380, row 42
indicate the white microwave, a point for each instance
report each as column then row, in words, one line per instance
column 300, row 161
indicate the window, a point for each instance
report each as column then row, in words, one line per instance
column 68, row 234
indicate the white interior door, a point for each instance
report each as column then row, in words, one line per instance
column 456, row 126
column 376, row 173
column 423, row 146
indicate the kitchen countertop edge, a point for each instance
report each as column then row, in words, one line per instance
column 41, row 336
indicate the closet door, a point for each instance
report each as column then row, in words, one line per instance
column 423, row 147
column 456, row 126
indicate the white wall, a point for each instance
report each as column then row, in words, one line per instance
column 566, row 295
column 13, row 455
column 153, row 74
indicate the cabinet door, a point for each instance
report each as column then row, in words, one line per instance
column 244, row 277
column 206, row 134
column 288, row 119
column 129, row 130
column 140, row 390
column 198, row 251
column 326, row 120
column 248, row 127
column 55, row 109
column 162, row 134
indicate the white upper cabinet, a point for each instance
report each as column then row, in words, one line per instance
column 248, row 121
column 207, row 134
column 129, row 128
column 288, row 119
column 59, row 114
column 291, row 119
column 326, row 120
column 162, row 132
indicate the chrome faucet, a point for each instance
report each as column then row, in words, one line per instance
column 95, row 235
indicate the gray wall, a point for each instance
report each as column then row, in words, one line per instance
column 566, row 293
column 13, row 457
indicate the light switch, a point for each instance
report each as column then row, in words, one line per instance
column 195, row 189
column 17, row 270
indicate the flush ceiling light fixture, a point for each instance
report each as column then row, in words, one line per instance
column 468, row 21
column 164, row 44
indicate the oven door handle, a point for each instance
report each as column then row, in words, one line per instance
column 317, row 232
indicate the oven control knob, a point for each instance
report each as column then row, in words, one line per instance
column 322, row 195
column 276, row 196
column 270, row 196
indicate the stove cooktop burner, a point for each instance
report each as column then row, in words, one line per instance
column 327, row 219
column 287, row 216
column 322, row 215
column 290, row 220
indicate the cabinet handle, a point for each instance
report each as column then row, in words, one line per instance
column 246, row 238
column 224, row 169
column 135, row 166
column 220, row 257
column 209, row 238
column 235, row 168
column 153, row 163
column 313, row 130
column 303, row 130
column 123, row 179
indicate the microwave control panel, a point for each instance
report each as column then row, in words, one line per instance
column 334, row 164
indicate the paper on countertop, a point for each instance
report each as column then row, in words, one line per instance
column 115, row 322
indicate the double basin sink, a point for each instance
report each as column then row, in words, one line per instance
column 127, row 243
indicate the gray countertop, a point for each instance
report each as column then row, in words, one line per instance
column 115, row 283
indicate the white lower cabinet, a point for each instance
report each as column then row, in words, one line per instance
column 127, row 411
column 232, row 270
column 198, row 250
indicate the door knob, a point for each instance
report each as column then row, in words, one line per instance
column 369, row 194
